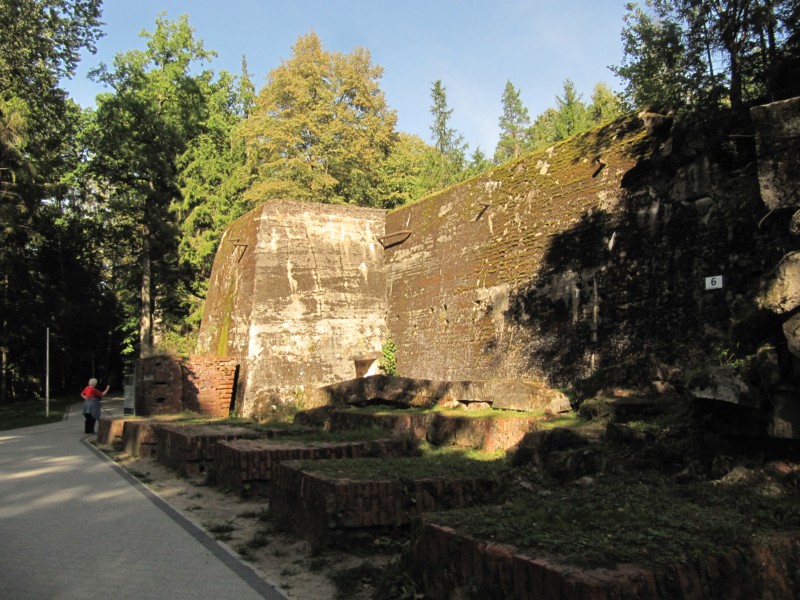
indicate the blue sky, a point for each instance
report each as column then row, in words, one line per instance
column 472, row 46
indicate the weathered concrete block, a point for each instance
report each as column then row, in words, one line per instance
column 778, row 126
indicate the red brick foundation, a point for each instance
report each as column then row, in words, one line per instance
column 246, row 465
column 449, row 564
column 188, row 450
column 323, row 509
column 140, row 438
column 109, row 431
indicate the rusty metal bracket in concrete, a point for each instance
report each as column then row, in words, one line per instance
column 484, row 207
column 236, row 244
column 389, row 240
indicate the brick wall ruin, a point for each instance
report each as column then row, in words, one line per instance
column 201, row 384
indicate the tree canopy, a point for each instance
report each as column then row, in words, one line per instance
column 694, row 54
column 110, row 216
column 320, row 129
column 42, row 253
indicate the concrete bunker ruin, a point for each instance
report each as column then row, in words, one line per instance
column 548, row 269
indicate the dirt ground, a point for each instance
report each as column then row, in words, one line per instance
column 242, row 523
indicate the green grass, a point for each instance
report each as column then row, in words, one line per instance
column 438, row 463
column 482, row 413
column 26, row 413
column 644, row 519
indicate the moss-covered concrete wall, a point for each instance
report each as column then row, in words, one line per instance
column 474, row 249
column 585, row 265
column 627, row 256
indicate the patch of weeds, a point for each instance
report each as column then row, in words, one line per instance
column 290, row 572
column 350, row 581
column 443, row 464
column 641, row 518
column 222, row 531
column 195, row 507
column 260, row 539
column 251, row 514
column 569, row 419
column 395, row 584
column 318, row 563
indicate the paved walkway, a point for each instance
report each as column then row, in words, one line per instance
column 75, row 525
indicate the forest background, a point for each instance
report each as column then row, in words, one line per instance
column 111, row 215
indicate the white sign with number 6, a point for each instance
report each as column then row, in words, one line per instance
column 714, row 283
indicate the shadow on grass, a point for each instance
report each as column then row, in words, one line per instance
column 27, row 413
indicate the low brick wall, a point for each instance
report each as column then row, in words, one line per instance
column 324, row 510
column 109, row 431
column 140, row 438
column 201, row 384
column 448, row 564
column 188, row 450
column 208, row 384
column 481, row 433
column 246, row 465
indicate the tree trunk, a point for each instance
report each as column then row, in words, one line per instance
column 146, row 320
column 4, row 345
column 736, row 82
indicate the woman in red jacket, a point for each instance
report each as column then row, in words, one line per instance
column 91, row 404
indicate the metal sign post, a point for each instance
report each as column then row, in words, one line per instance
column 47, row 376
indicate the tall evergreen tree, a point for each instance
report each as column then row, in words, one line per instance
column 605, row 106
column 40, row 44
column 707, row 53
column 514, row 125
column 543, row 131
column 213, row 178
column 404, row 174
column 573, row 116
column 447, row 164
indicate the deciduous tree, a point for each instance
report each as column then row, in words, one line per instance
column 320, row 129
column 160, row 105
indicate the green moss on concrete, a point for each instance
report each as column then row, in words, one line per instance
column 222, row 344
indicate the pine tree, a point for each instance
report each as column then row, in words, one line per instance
column 573, row 116
column 447, row 165
column 514, row 125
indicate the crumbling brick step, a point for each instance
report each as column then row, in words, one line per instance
column 140, row 438
column 480, row 433
column 447, row 563
column 399, row 421
column 441, row 429
column 188, row 449
column 109, row 431
column 246, row 465
column 321, row 508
